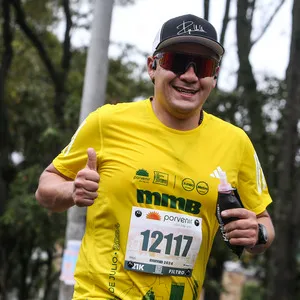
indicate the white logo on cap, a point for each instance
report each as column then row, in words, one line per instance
column 189, row 27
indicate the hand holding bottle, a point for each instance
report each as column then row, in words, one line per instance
column 227, row 200
column 239, row 226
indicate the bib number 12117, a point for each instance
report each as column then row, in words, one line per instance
column 158, row 237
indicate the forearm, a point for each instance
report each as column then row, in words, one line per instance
column 54, row 192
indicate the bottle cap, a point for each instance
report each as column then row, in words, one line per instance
column 224, row 185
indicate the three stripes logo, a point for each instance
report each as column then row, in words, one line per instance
column 216, row 172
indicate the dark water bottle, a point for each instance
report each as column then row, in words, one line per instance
column 228, row 198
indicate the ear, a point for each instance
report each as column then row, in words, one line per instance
column 151, row 67
column 217, row 73
column 216, row 76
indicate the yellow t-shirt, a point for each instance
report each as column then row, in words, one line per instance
column 146, row 165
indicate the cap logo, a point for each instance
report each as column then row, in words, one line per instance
column 189, row 27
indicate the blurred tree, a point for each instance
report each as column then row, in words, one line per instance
column 250, row 105
column 58, row 66
column 27, row 245
column 30, row 238
column 26, row 96
column 225, row 23
column 252, row 291
column 6, row 58
column 249, row 108
column 284, row 283
column 206, row 9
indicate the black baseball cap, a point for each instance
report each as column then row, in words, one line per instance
column 188, row 29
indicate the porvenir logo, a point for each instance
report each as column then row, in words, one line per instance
column 153, row 216
column 178, row 219
column 142, row 172
column 142, row 175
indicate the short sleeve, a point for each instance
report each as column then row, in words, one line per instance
column 252, row 186
column 74, row 156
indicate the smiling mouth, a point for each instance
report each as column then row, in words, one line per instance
column 185, row 91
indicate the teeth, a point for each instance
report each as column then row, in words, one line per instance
column 185, row 91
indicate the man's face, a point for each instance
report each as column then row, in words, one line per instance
column 181, row 95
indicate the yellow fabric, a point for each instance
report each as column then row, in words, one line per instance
column 128, row 138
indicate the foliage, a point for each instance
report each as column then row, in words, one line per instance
column 126, row 78
column 30, row 237
column 252, row 291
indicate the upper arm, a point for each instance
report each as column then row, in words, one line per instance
column 52, row 170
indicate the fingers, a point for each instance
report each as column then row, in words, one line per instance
column 240, row 213
column 84, row 202
column 92, row 159
column 244, row 230
column 86, row 183
column 248, row 243
column 84, row 198
column 244, row 237
column 84, row 192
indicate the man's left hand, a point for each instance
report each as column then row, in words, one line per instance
column 243, row 231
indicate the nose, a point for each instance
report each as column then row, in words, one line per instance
column 190, row 73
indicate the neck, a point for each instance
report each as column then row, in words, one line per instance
column 178, row 122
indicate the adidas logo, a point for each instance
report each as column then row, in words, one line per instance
column 216, row 172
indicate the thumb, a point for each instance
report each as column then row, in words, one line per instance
column 92, row 159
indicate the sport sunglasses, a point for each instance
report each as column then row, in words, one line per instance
column 178, row 63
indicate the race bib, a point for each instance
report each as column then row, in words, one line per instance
column 162, row 242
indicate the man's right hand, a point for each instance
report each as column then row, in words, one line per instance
column 86, row 183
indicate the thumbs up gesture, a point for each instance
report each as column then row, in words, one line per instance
column 86, row 183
